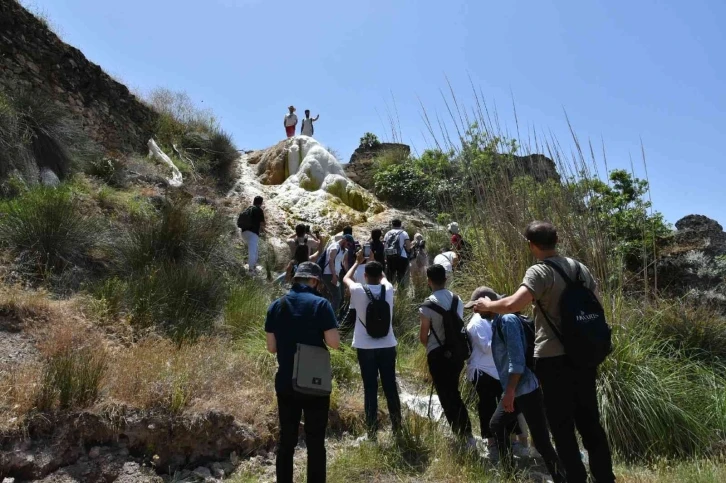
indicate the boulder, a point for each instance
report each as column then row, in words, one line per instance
column 49, row 178
column 693, row 265
column 360, row 167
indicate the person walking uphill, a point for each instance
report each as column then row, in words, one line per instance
column 521, row 389
column 566, row 305
column 397, row 246
column 374, row 340
column 251, row 222
column 302, row 318
column 290, row 122
column 332, row 264
column 440, row 315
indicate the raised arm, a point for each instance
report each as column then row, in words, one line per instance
column 316, row 117
column 508, row 305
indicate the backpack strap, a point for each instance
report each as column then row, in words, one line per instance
column 439, row 310
column 557, row 268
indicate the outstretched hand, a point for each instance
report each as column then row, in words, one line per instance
column 359, row 257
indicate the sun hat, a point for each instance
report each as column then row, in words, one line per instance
column 308, row 270
column 453, row 227
column 292, row 107
column 479, row 293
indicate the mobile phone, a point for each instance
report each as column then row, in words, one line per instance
column 366, row 251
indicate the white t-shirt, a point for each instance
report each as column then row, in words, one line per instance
column 290, row 119
column 401, row 240
column 307, row 127
column 359, row 301
column 480, row 335
column 446, row 260
column 360, row 274
column 338, row 259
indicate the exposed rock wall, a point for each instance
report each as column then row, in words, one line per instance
column 694, row 264
column 360, row 167
column 34, row 58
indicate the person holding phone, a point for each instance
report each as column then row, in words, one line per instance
column 359, row 275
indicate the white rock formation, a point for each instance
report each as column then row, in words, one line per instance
column 156, row 153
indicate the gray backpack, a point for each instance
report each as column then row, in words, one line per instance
column 312, row 372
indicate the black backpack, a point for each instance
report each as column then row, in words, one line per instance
column 323, row 258
column 529, row 336
column 457, row 345
column 378, row 314
column 585, row 333
column 244, row 221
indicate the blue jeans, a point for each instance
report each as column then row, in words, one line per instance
column 372, row 363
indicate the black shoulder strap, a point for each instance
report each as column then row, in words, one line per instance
column 454, row 305
column 439, row 310
column 368, row 292
column 559, row 270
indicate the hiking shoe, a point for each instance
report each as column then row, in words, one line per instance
column 520, row 451
column 492, row 453
column 471, row 444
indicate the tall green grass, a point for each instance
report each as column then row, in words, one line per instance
column 49, row 230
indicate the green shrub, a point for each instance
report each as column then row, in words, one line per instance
column 183, row 299
column 655, row 405
column 49, row 230
column 246, row 307
column 36, row 133
column 71, row 378
column 369, row 141
column 179, row 232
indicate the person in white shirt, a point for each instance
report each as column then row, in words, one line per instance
column 290, row 122
column 482, row 373
column 307, row 128
column 397, row 245
column 448, row 260
column 333, row 265
column 375, row 355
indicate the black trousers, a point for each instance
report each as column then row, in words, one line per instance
column 489, row 391
column 531, row 406
column 445, row 374
column 570, row 397
column 396, row 268
column 291, row 408
column 375, row 362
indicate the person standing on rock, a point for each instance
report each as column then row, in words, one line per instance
column 302, row 317
column 567, row 373
column 290, row 122
column 252, row 222
column 373, row 340
column 307, row 128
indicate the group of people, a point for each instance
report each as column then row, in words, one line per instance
column 307, row 127
column 518, row 367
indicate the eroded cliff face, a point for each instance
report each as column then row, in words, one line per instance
column 33, row 59
column 694, row 263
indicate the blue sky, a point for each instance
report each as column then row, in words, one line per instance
column 623, row 71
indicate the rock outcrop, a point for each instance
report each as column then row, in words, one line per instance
column 694, row 263
column 360, row 167
column 32, row 58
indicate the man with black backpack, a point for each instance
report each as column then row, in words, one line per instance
column 251, row 222
column 512, row 347
column 572, row 339
column 397, row 246
column 303, row 240
column 374, row 340
column 444, row 335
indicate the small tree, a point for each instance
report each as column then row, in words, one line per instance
column 369, row 141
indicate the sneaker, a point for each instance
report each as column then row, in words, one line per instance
column 492, row 453
column 520, row 451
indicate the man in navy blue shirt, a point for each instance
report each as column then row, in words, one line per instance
column 300, row 317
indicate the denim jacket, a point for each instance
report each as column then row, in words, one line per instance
column 508, row 350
